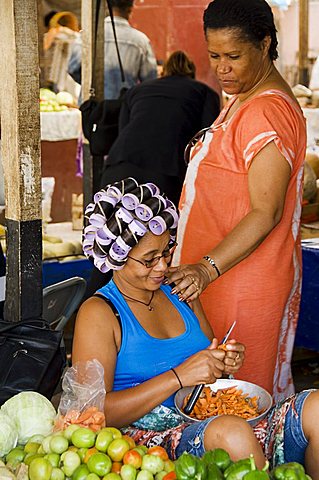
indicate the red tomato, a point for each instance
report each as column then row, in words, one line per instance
column 130, row 441
column 159, row 451
column 134, row 458
column 116, row 467
column 170, row 476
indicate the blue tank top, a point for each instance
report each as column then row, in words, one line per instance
column 142, row 356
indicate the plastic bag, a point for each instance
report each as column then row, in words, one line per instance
column 83, row 396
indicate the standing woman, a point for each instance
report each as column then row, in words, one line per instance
column 241, row 202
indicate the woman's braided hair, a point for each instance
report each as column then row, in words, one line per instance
column 120, row 216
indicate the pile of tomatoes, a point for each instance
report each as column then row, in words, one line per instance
column 79, row 453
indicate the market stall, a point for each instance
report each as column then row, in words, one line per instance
column 60, row 158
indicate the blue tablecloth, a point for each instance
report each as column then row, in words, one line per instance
column 308, row 325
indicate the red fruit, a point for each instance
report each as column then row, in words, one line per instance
column 158, row 451
column 132, row 457
column 170, row 476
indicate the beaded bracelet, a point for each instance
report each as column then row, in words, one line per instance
column 213, row 264
column 179, row 380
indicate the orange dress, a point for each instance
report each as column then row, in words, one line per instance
column 263, row 291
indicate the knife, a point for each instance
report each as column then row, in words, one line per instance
column 198, row 389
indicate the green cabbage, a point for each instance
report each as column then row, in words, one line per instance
column 32, row 413
column 8, row 434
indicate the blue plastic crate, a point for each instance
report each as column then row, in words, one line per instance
column 54, row 271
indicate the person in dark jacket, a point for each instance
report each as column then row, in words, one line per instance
column 157, row 120
column 2, row 281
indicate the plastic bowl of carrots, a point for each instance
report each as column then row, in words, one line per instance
column 226, row 397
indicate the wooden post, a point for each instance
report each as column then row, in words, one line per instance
column 303, row 64
column 20, row 122
column 91, row 167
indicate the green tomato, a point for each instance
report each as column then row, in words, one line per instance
column 70, row 462
column 46, row 444
column 112, row 476
column 144, row 475
column 117, row 449
column 128, row 472
column 100, row 464
column 37, row 437
column 31, row 447
column 141, row 449
column 115, row 431
column 160, row 475
column 57, row 474
column 15, row 456
column 81, row 472
column 54, row 459
column 69, row 430
column 31, row 456
column 83, row 437
column 169, row 466
column 103, row 440
column 82, row 452
column 40, row 469
column 58, row 444
column 152, row 463
column 92, row 476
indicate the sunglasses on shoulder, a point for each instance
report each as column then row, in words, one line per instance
column 199, row 137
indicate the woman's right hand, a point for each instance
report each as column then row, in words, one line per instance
column 205, row 366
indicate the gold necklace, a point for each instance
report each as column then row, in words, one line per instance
column 147, row 304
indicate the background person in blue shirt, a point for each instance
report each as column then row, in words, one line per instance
column 138, row 59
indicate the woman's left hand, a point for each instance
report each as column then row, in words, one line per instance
column 234, row 358
column 190, row 280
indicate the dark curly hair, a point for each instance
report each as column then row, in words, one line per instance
column 122, row 5
column 252, row 18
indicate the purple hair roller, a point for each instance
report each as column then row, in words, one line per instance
column 167, row 219
column 87, row 247
column 121, row 243
column 137, row 228
column 145, row 211
column 97, row 220
column 118, row 189
column 89, row 209
column 117, row 253
column 113, row 264
column 124, row 215
column 102, row 237
column 131, row 200
column 99, row 251
column 101, row 265
column 108, row 232
column 89, row 232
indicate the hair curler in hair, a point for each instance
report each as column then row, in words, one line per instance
column 100, row 251
column 137, row 228
column 103, row 237
column 87, row 248
column 165, row 220
column 124, row 215
column 118, row 189
column 113, row 264
column 145, row 211
column 131, row 200
column 118, row 253
column 104, row 204
column 89, row 232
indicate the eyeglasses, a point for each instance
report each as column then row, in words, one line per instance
column 200, row 136
column 167, row 253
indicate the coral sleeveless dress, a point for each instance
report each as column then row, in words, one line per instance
column 263, row 291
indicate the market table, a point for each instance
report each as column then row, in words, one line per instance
column 308, row 326
column 60, row 132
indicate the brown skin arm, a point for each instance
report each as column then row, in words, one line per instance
column 97, row 335
column 268, row 179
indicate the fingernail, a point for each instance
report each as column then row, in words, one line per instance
column 180, row 299
column 173, row 291
column 165, row 282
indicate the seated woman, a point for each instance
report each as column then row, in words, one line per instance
column 151, row 344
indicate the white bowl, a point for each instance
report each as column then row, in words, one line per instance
column 264, row 398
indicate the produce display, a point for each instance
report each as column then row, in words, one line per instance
column 30, row 449
column 55, row 102
column 225, row 401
